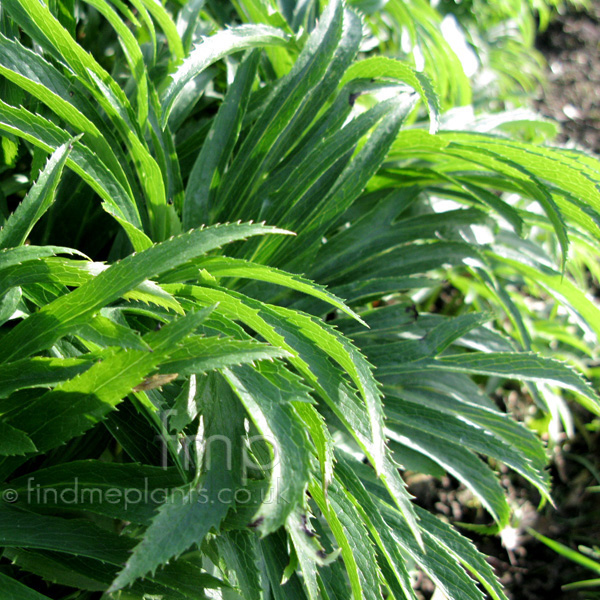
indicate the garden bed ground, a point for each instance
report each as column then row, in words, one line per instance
column 571, row 46
column 530, row 570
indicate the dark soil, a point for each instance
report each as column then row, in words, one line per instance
column 528, row 569
column 571, row 46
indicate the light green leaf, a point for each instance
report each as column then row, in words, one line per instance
column 133, row 55
column 39, row 372
column 8, row 304
column 64, row 97
column 378, row 528
column 76, row 405
column 166, row 24
column 211, row 50
column 238, row 268
column 46, row 135
column 36, row 203
column 384, row 67
column 56, row 319
column 311, row 343
column 200, row 355
column 351, row 534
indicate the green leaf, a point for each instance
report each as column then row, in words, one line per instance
column 351, row 181
column 39, row 372
column 280, row 427
column 46, row 135
column 350, row 533
column 37, row 20
column 275, row 559
column 37, row 201
column 562, row 289
column 56, row 319
column 567, row 552
column 14, row 590
column 133, row 55
column 192, row 511
column 379, row 529
column 14, row 442
column 443, row 556
column 130, row 492
column 311, row 343
column 209, row 166
column 167, row 25
column 499, row 424
column 201, row 355
column 33, row 269
column 458, row 461
column 76, row 405
column 518, row 365
column 242, row 556
column 288, row 111
column 8, row 304
column 383, row 67
column 211, row 50
column 20, row 529
column 63, row 96
column 238, row 268
column 308, row 550
column 104, row 332
column 95, row 576
column 14, row 256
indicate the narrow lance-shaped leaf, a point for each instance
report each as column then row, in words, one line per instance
column 36, row 203
column 76, row 405
column 166, row 24
column 281, row 428
column 458, row 461
column 380, row 530
column 37, row 20
column 311, row 343
column 278, row 125
column 56, row 319
column 382, row 67
column 132, row 53
column 213, row 49
column 20, row 529
column 349, row 185
column 350, row 533
column 34, row 74
column 192, row 511
column 136, row 483
column 238, row 268
column 46, row 135
column 14, row 590
column 211, row 161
